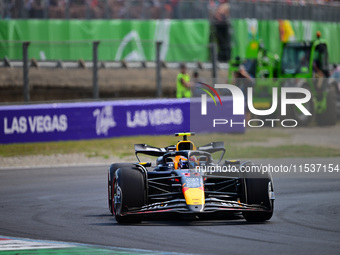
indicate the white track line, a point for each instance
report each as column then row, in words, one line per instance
column 15, row 244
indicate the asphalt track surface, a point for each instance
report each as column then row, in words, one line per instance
column 70, row 204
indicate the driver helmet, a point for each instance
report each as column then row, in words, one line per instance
column 183, row 163
column 193, row 162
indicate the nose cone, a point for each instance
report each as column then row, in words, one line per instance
column 193, row 191
column 196, row 208
column 194, row 196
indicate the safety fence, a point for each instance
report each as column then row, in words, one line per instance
column 106, row 9
column 326, row 11
column 119, row 43
column 124, row 76
column 215, row 11
column 120, row 39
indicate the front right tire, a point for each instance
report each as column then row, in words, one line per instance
column 112, row 170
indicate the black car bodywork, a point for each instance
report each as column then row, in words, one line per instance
column 187, row 182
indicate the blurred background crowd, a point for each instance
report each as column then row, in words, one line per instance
column 130, row 9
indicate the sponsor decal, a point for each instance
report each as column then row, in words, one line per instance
column 154, row 206
column 35, row 124
column 155, row 117
column 104, row 119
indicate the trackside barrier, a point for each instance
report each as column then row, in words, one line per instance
column 92, row 120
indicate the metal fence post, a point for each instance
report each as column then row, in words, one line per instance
column 67, row 10
column 107, row 10
column 158, row 69
column 213, row 55
column 25, row 70
column 87, row 10
column 46, row 11
column 95, row 70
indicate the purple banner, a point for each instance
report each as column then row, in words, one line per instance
column 90, row 120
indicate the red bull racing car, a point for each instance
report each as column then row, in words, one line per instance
column 186, row 181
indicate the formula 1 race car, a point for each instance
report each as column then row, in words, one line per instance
column 186, row 181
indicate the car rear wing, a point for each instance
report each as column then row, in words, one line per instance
column 156, row 152
column 151, row 151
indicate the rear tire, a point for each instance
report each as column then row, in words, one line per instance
column 128, row 192
column 329, row 117
column 256, row 187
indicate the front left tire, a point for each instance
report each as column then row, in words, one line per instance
column 128, row 192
